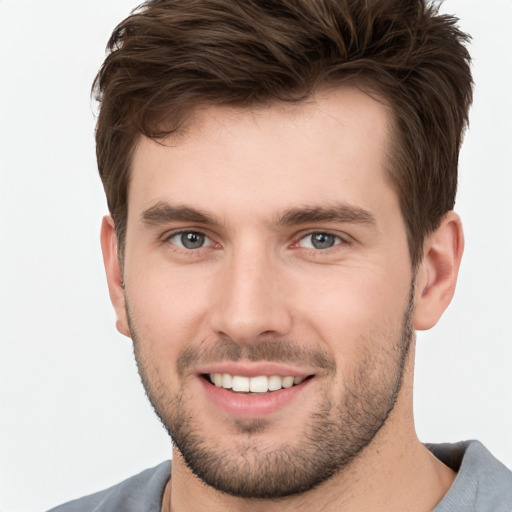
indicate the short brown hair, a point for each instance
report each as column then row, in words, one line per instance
column 170, row 56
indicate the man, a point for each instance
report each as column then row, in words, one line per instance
column 281, row 177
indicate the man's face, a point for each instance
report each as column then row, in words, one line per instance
column 266, row 247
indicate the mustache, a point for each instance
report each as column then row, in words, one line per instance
column 279, row 350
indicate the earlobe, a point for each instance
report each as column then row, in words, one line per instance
column 114, row 273
column 437, row 274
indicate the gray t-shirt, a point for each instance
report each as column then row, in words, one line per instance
column 483, row 484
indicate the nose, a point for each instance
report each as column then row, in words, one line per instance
column 251, row 299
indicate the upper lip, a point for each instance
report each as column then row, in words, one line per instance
column 249, row 369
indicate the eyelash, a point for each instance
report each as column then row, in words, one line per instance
column 179, row 246
column 168, row 239
column 338, row 240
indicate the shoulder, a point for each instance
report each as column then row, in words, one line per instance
column 483, row 483
column 142, row 492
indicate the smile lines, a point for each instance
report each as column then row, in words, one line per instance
column 259, row 384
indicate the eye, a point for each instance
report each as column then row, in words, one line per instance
column 319, row 240
column 190, row 240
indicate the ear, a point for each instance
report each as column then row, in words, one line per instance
column 438, row 271
column 114, row 273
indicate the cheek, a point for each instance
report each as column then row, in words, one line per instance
column 354, row 309
column 167, row 311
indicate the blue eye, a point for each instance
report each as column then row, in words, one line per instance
column 320, row 240
column 190, row 240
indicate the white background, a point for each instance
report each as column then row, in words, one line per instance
column 73, row 416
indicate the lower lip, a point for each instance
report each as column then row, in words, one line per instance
column 252, row 406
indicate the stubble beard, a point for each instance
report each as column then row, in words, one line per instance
column 333, row 436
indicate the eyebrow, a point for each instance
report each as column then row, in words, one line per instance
column 162, row 213
column 341, row 212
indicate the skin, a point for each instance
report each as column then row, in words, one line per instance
column 258, row 280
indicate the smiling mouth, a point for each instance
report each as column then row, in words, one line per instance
column 258, row 384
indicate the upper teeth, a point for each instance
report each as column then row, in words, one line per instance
column 260, row 384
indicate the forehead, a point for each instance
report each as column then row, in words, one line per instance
column 330, row 148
